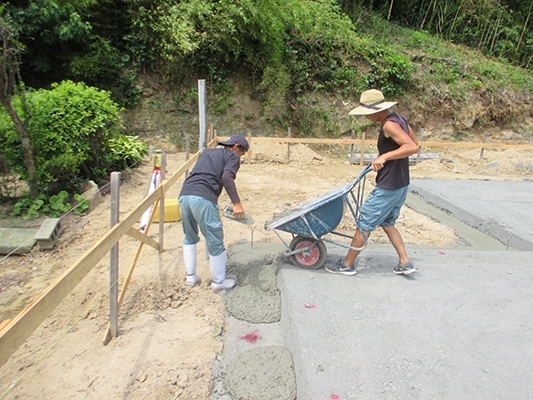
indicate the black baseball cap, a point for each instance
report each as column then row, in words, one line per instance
column 236, row 139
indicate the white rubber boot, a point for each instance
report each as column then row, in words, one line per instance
column 189, row 259
column 217, row 265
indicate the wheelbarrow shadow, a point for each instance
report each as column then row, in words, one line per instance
column 367, row 265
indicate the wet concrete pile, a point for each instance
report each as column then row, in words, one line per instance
column 255, row 364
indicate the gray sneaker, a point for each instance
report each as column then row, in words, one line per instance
column 340, row 268
column 405, row 269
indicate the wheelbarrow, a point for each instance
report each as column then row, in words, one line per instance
column 311, row 221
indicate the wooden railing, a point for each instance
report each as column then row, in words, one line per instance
column 17, row 330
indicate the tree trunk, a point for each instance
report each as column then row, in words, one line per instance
column 10, row 54
column 390, row 9
column 26, row 145
column 524, row 28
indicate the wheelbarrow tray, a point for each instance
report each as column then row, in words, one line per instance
column 316, row 217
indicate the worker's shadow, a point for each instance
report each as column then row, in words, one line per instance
column 369, row 265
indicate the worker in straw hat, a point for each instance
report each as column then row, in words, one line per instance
column 396, row 142
column 214, row 170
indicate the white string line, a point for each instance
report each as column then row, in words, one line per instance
column 29, row 240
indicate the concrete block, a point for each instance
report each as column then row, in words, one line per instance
column 92, row 195
column 16, row 240
column 46, row 236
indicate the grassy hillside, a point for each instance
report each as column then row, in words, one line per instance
column 452, row 92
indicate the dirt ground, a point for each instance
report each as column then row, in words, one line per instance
column 169, row 334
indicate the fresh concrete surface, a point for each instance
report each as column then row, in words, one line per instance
column 501, row 209
column 459, row 328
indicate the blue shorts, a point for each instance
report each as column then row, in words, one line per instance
column 199, row 212
column 381, row 208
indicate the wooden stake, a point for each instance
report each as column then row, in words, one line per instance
column 187, row 151
column 249, row 153
column 352, row 146
column 289, row 146
column 419, row 147
column 483, row 149
column 162, row 203
column 113, row 256
column 361, row 161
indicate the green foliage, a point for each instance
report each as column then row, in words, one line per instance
column 125, row 152
column 53, row 206
column 72, row 128
column 81, row 206
column 102, row 62
column 104, row 65
column 275, row 84
column 55, row 29
column 390, row 71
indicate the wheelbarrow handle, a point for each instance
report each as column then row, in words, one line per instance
column 365, row 171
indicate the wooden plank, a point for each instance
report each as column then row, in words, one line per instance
column 4, row 323
column 20, row 327
column 142, row 237
column 167, row 184
column 470, row 145
column 465, row 145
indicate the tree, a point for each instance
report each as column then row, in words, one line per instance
column 10, row 54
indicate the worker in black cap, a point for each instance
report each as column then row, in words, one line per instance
column 215, row 168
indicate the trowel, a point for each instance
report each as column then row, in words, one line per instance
column 228, row 213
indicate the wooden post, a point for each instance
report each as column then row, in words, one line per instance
column 209, row 132
column 162, row 203
column 419, row 147
column 352, row 146
column 187, row 151
column 113, row 257
column 361, row 161
column 249, row 153
column 151, row 153
column 483, row 149
column 202, row 113
column 289, row 146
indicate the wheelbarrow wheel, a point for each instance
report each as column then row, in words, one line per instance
column 312, row 257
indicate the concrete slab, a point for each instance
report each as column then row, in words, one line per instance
column 16, row 241
column 459, row 328
column 500, row 209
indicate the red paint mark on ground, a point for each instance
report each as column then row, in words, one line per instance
column 310, row 306
column 334, row 396
column 251, row 337
column 441, row 253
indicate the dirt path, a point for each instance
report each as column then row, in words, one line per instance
column 170, row 335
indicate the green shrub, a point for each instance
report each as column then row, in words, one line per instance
column 125, row 152
column 75, row 133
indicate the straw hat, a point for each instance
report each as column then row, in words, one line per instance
column 372, row 101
